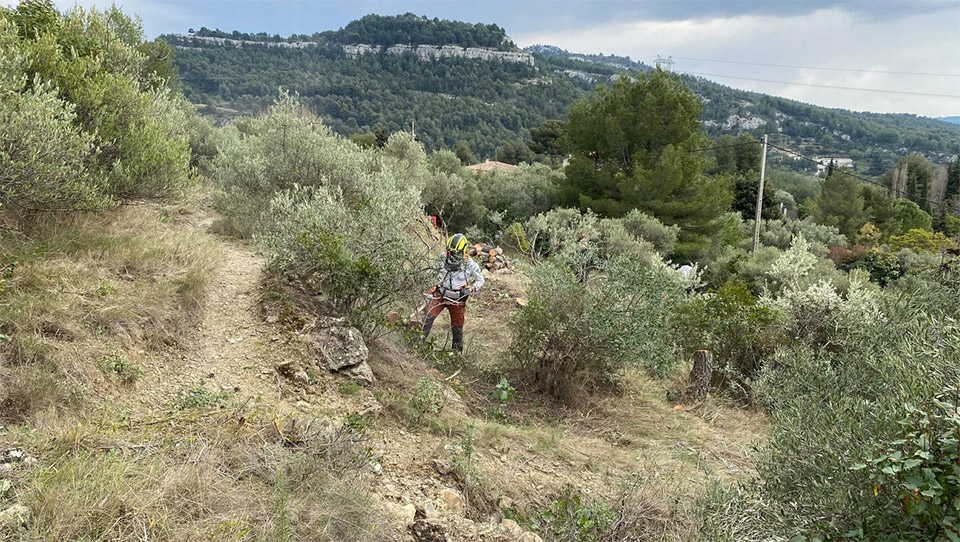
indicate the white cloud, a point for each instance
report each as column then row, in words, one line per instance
column 825, row 38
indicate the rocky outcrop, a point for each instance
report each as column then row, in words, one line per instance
column 577, row 74
column 340, row 348
column 434, row 52
column 180, row 39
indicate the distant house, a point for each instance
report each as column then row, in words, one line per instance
column 823, row 162
column 487, row 165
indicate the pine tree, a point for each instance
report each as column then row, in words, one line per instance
column 840, row 204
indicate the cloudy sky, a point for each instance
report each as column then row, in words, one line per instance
column 796, row 49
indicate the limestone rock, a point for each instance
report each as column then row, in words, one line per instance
column 510, row 528
column 505, row 503
column 301, row 377
column 530, row 537
column 403, row 513
column 429, row 510
column 362, row 373
column 452, row 501
column 14, row 516
column 339, row 346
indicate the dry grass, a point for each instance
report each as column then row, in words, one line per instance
column 78, row 286
column 220, row 475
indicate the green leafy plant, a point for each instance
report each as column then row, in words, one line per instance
column 464, row 460
column 570, row 518
column 732, row 323
column 428, row 400
column 503, row 394
column 115, row 362
column 917, row 477
column 572, row 338
column 197, row 397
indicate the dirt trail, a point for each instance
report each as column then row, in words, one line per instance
column 226, row 352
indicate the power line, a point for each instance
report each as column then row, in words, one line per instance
column 905, row 195
column 725, row 146
column 890, row 72
column 861, row 89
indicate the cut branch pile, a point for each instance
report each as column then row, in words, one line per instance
column 490, row 257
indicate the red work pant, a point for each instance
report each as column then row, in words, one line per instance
column 458, row 311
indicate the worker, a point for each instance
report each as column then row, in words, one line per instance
column 459, row 276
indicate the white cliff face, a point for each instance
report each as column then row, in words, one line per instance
column 226, row 42
column 423, row 52
column 576, row 74
column 433, row 52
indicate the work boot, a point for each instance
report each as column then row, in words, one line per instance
column 457, row 338
column 427, row 324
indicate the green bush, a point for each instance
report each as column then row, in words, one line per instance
column 882, row 266
column 643, row 226
column 917, row 478
column 82, row 122
column 735, row 325
column 356, row 253
column 286, row 146
column 428, row 400
column 572, row 338
column 830, row 407
column 922, row 241
column 115, row 362
column 94, row 61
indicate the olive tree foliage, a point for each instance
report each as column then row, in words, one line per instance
column 637, row 235
column 573, row 338
column 43, row 153
column 285, row 146
column 355, row 252
column 886, row 349
column 80, row 96
column 340, row 220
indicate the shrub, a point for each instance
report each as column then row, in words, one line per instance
column 81, row 125
column 922, row 241
column 286, row 146
column 428, row 399
column 735, row 325
column 830, row 407
column 115, row 362
column 196, row 397
column 645, row 227
column 780, row 233
column 882, row 266
column 571, row 338
column 503, row 394
column 819, row 315
column 516, row 237
column 356, row 253
column 521, row 193
column 915, row 476
column 106, row 98
column 557, row 233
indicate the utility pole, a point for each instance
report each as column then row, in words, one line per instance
column 756, row 224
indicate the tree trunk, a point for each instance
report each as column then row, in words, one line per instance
column 699, row 377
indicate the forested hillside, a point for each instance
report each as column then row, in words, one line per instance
column 487, row 103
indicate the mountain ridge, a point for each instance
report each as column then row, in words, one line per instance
column 452, row 98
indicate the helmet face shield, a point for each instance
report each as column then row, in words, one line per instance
column 457, row 243
column 454, row 260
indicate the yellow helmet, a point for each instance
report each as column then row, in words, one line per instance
column 458, row 243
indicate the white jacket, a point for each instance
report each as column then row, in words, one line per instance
column 457, row 279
